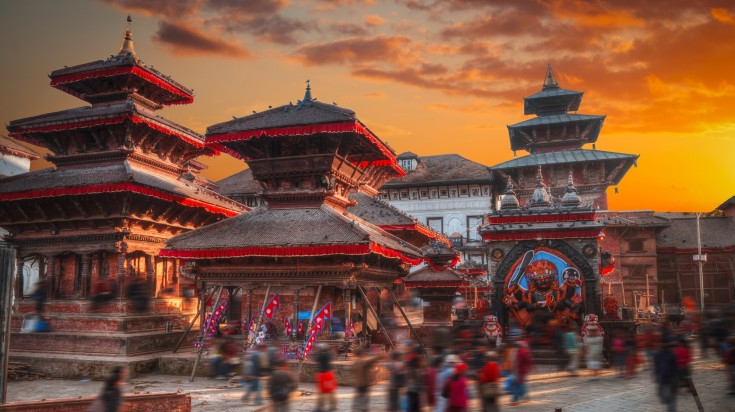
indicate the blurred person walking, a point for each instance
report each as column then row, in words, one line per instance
column 593, row 350
column 450, row 362
column 523, row 366
column 361, row 372
column 397, row 380
column 488, row 381
column 256, row 367
column 282, row 383
column 325, row 379
column 571, row 347
column 110, row 399
column 665, row 372
column 683, row 362
column 432, row 374
column 456, row 390
column 415, row 381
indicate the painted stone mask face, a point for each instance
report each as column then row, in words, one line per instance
column 541, row 274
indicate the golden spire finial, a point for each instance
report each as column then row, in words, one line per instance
column 127, row 44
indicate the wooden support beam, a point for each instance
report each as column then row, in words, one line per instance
column 40, row 210
column 62, row 212
column 80, row 207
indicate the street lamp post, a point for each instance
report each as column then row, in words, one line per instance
column 700, row 259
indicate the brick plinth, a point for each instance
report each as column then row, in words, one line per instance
column 149, row 402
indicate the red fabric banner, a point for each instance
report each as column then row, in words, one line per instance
column 61, row 81
column 436, row 284
column 272, row 306
column 559, row 234
column 289, row 329
column 276, row 251
column 108, row 121
column 553, row 218
column 115, row 187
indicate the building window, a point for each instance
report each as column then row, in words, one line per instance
column 635, row 245
column 473, row 223
column 436, row 224
column 443, row 192
column 475, row 258
column 406, row 164
column 424, row 194
column 404, row 195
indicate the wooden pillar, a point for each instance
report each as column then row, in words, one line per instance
column 18, row 277
column 348, row 311
column 121, row 284
column 51, row 275
column 249, row 303
column 86, row 267
column 175, row 277
column 295, row 323
column 150, row 276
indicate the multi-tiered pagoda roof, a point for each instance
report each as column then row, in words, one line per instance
column 308, row 157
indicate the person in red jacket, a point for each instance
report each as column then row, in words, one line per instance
column 523, row 366
column 457, row 390
column 488, row 381
column 683, row 361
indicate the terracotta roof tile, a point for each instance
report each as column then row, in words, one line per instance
column 716, row 232
column 239, row 183
column 54, row 178
column 10, row 146
column 429, row 275
column 285, row 115
column 443, row 169
column 309, row 226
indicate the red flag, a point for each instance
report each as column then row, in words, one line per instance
column 271, row 307
column 309, row 345
column 289, row 330
column 348, row 325
column 300, row 328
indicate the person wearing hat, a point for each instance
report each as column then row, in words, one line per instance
column 456, row 391
column 489, row 384
column 450, row 362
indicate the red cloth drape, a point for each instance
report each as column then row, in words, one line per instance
column 61, row 81
column 510, row 219
column 338, row 127
column 557, row 234
column 285, row 251
column 115, row 187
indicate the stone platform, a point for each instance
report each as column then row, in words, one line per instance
column 87, row 343
column 182, row 363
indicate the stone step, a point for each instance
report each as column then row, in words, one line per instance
column 116, row 306
column 85, row 366
column 83, row 322
column 89, row 343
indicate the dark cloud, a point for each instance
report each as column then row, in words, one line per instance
column 169, row 8
column 235, row 8
column 349, row 29
column 272, row 28
column 386, row 49
column 188, row 40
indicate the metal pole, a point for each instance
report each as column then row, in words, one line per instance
column 313, row 309
column 377, row 318
column 204, row 330
column 410, row 327
column 700, row 263
column 7, row 257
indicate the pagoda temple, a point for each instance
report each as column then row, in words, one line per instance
column 305, row 242
column 555, row 140
column 124, row 182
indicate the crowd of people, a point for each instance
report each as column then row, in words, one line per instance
column 446, row 379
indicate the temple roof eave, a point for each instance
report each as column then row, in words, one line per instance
column 563, row 157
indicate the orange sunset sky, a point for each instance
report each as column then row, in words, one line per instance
column 431, row 77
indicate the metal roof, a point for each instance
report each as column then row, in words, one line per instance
column 562, row 156
column 557, row 119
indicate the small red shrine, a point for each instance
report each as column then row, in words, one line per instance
column 308, row 157
column 544, row 258
column 124, row 183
